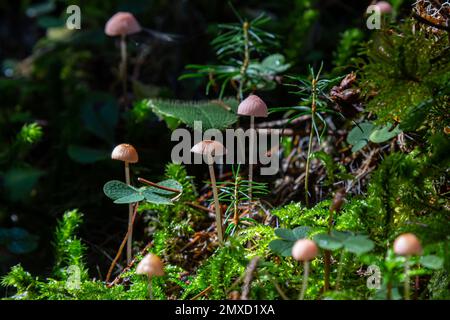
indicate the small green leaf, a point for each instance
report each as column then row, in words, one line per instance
column 285, row 234
column 117, row 189
column 301, row 232
column 384, row 134
column 132, row 198
column 281, row 247
column 358, row 244
column 87, row 155
column 154, row 198
column 359, row 135
column 19, row 182
column 327, row 242
column 432, row 262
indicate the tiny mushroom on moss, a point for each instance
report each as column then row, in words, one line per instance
column 128, row 154
column 210, row 149
column 151, row 266
column 407, row 245
column 253, row 106
column 304, row 250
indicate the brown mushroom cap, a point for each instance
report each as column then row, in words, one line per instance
column 209, row 147
column 407, row 244
column 253, row 106
column 125, row 152
column 304, row 250
column 122, row 23
column 150, row 265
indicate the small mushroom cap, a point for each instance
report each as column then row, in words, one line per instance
column 125, row 152
column 209, row 147
column 150, row 265
column 304, row 250
column 407, row 244
column 122, row 23
column 253, row 106
column 384, row 6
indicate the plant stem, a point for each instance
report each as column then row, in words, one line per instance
column 339, row 272
column 246, row 61
column 406, row 288
column 305, row 279
column 236, row 201
column 327, row 267
column 150, row 288
column 130, row 216
column 122, row 245
column 216, row 204
column 311, row 134
column 251, row 158
column 152, row 184
column 123, row 67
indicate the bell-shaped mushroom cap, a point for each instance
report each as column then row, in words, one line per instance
column 122, row 23
column 384, row 6
column 304, row 250
column 407, row 244
column 150, row 265
column 125, row 152
column 210, row 148
column 253, row 106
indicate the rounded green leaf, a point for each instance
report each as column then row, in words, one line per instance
column 327, row 242
column 432, row 262
column 281, row 247
column 132, row 198
column 154, row 198
column 117, row 189
column 358, row 244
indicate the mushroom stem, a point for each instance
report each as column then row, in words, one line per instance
column 216, row 203
column 130, row 216
column 150, row 287
column 123, row 65
column 305, row 279
column 251, row 158
column 406, row 284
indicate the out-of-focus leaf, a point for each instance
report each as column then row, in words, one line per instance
column 358, row 244
column 18, row 240
column 327, row 242
column 383, row 134
column 432, row 262
column 282, row 247
column 359, row 135
column 100, row 116
column 19, row 182
column 87, row 155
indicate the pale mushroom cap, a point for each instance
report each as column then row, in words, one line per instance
column 209, row 147
column 125, row 152
column 150, row 265
column 253, row 106
column 407, row 244
column 122, row 23
column 304, row 250
column 384, row 6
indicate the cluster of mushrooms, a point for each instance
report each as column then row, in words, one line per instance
column 406, row 245
column 123, row 24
